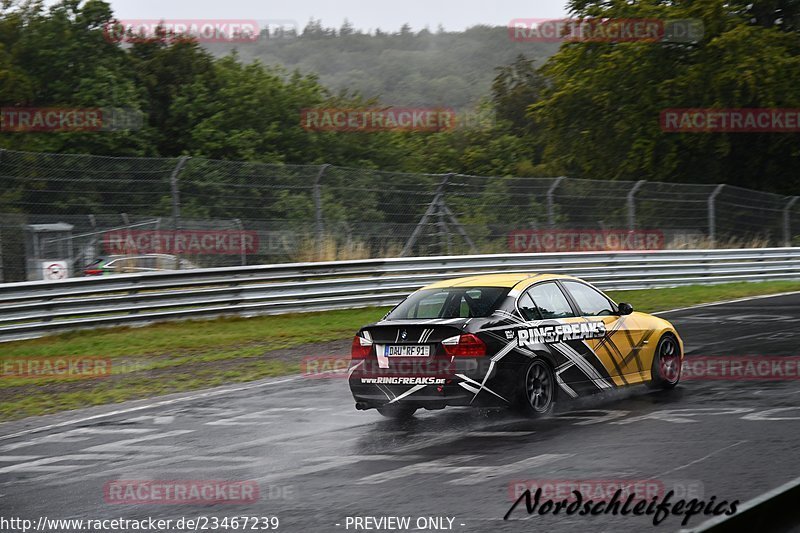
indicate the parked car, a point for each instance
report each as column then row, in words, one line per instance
column 131, row 264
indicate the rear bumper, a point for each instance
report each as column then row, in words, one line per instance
column 370, row 395
column 432, row 384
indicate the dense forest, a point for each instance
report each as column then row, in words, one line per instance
column 404, row 68
column 591, row 109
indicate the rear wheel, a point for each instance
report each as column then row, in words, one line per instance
column 540, row 389
column 665, row 372
column 397, row 411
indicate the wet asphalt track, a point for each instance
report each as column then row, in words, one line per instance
column 317, row 460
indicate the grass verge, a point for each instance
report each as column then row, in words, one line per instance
column 183, row 356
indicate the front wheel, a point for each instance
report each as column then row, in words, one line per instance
column 665, row 372
column 397, row 411
column 540, row 389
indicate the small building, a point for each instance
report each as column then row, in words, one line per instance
column 49, row 251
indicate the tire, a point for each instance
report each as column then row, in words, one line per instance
column 665, row 373
column 397, row 412
column 539, row 389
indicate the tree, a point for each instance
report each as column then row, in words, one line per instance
column 346, row 29
column 515, row 88
column 166, row 67
column 601, row 110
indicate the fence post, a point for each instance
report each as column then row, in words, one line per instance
column 93, row 242
column 712, row 213
column 432, row 209
column 632, row 204
column 444, row 240
column 176, row 202
column 319, row 222
column 2, row 153
column 551, row 209
column 242, row 249
column 787, row 221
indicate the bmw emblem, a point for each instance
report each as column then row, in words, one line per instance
column 404, row 334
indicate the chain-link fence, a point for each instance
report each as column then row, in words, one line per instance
column 71, row 215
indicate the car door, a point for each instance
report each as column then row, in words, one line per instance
column 625, row 348
column 578, row 370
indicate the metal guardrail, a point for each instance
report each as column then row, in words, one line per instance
column 33, row 309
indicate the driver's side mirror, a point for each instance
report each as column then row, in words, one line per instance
column 625, row 309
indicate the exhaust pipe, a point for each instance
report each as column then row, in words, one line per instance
column 362, row 406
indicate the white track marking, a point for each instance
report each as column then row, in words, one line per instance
column 48, row 464
column 212, row 393
column 711, row 304
column 74, row 435
column 701, row 459
column 206, row 394
column 465, row 474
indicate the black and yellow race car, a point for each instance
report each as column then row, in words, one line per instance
column 515, row 340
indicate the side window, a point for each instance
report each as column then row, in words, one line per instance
column 590, row 301
column 551, row 301
column 528, row 308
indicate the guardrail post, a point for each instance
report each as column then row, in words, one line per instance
column 787, row 221
column 632, row 204
column 551, row 209
column 712, row 213
column 319, row 221
column 176, row 202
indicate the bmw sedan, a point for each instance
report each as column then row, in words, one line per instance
column 508, row 340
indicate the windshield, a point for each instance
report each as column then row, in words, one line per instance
column 450, row 302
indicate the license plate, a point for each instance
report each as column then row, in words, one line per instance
column 407, row 350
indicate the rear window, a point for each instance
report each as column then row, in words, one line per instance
column 451, row 302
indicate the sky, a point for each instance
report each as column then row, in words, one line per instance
column 363, row 14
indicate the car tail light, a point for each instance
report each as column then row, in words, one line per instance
column 92, row 272
column 464, row 346
column 361, row 348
